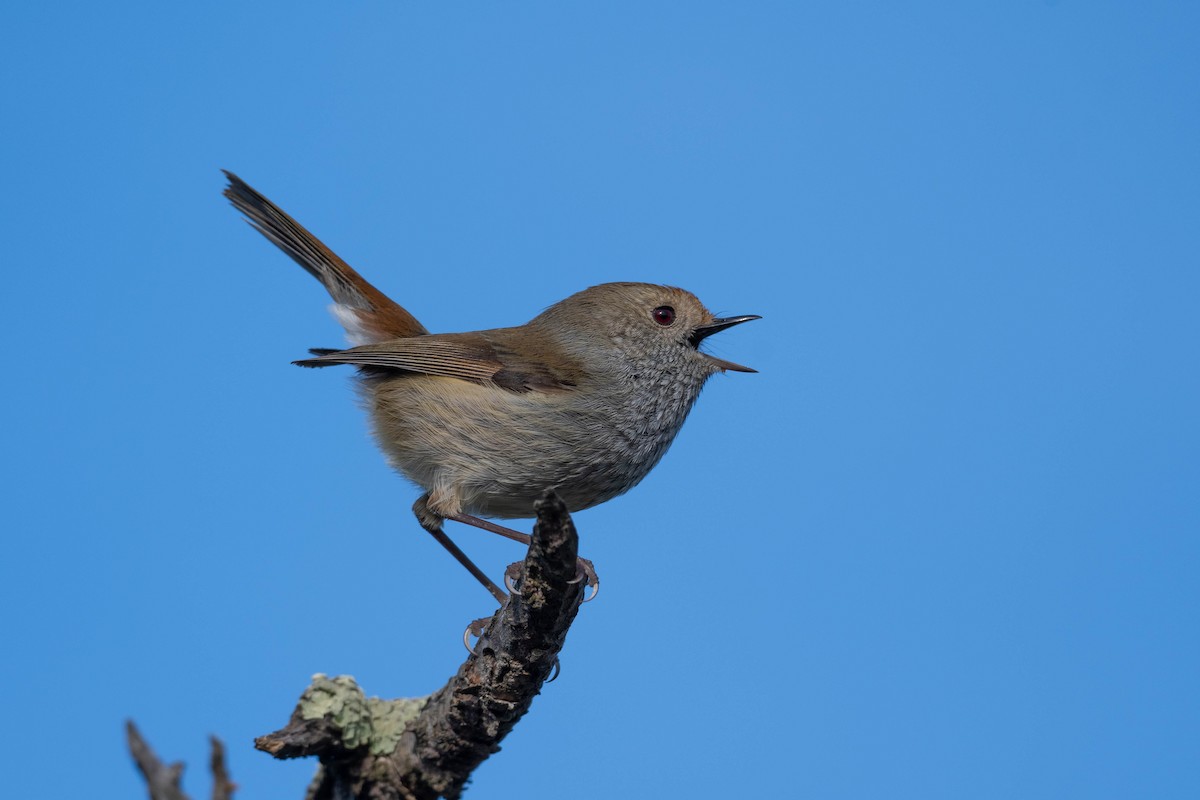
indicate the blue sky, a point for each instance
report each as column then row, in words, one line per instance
column 944, row 545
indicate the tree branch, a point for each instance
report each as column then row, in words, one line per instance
column 165, row 780
column 424, row 748
column 428, row 747
column 223, row 786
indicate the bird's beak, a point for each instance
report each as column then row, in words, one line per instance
column 717, row 325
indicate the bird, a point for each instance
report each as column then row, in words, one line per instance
column 584, row 399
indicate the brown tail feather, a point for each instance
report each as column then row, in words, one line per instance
column 367, row 313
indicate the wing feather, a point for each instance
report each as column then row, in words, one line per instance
column 487, row 357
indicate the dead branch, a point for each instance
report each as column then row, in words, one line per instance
column 424, row 748
column 164, row 781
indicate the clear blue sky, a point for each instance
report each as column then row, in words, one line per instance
column 945, row 545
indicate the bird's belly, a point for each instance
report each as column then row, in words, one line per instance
column 495, row 452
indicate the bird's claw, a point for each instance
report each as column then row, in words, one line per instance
column 512, row 574
column 476, row 629
column 584, row 570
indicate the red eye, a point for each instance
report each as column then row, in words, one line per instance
column 663, row 315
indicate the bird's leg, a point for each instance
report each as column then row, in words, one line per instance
column 585, row 569
column 507, row 533
column 433, row 523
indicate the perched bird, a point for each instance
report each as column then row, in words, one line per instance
column 584, row 398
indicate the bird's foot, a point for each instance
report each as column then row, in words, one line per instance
column 476, row 629
column 512, row 576
column 584, row 571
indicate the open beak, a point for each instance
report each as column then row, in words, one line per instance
column 716, row 326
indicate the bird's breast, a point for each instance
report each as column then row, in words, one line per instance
column 498, row 450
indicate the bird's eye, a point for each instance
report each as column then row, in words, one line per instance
column 663, row 315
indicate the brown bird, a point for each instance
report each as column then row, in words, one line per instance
column 584, row 398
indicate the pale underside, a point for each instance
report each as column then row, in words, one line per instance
column 489, row 451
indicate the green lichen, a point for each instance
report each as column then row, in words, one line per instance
column 389, row 718
column 363, row 722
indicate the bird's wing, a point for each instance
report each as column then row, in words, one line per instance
column 501, row 358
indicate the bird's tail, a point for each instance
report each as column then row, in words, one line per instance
column 367, row 314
